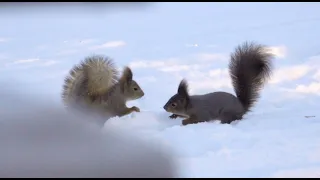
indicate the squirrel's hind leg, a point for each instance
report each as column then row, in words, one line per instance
column 226, row 117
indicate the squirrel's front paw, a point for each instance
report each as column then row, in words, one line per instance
column 173, row 116
column 136, row 109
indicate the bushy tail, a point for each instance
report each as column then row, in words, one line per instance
column 250, row 67
column 92, row 76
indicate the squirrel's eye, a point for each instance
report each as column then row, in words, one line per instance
column 135, row 89
column 173, row 104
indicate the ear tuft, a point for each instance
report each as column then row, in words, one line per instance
column 183, row 88
column 126, row 77
column 127, row 74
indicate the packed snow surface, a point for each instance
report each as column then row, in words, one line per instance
column 270, row 142
column 281, row 143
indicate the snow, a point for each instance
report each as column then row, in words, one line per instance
column 41, row 140
column 265, row 144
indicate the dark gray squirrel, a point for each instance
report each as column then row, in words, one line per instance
column 250, row 67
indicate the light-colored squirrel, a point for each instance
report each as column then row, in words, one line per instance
column 250, row 67
column 94, row 85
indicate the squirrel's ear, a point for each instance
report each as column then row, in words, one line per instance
column 126, row 77
column 183, row 88
column 127, row 74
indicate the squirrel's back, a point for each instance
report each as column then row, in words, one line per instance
column 214, row 102
column 91, row 77
column 218, row 98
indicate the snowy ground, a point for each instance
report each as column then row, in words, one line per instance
column 277, row 143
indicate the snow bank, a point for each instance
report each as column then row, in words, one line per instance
column 38, row 139
column 41, row 140
column 277, row 144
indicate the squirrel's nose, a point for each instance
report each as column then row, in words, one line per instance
column 164, row 107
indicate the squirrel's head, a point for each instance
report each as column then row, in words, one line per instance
column 178, row 103
column 129, row 87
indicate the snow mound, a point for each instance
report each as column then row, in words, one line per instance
column 41, row 140
column 262, row 145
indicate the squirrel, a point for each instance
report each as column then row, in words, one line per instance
column 250, row 67
column 94, row 84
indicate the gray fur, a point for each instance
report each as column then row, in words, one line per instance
column 213, row 106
